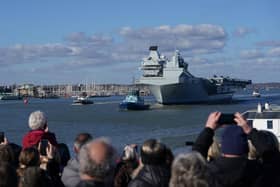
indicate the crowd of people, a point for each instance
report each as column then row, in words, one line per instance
column 244, row 156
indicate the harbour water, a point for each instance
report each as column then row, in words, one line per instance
column 172, row 124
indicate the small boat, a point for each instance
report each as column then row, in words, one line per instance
column 256, row 94
column 133, row 101
column 82, row 101
column 9, row 96
column 104, row 95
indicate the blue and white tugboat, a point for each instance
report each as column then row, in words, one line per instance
column 133, row 101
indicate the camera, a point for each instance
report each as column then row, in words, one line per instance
column 226, row 119
column 43, row 146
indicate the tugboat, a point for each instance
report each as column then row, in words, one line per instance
column 82, row 100
column 256, row 94
column 133, row 101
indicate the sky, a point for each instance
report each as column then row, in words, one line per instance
column 64, row 41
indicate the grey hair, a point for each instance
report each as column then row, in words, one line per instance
column 90, row 167
column 37, row 120
column 190, row 170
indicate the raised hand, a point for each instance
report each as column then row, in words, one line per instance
column 212, row 120
column 242, row 123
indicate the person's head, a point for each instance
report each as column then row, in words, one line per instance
column 63, row 153
column 34, row 177
column 153, row 152
column 190, row 170
column 234, row 142
column 80, row 140
column 130, row 152
column 37, row 120
column 8, row 176
column 29, row 157
column 97, row 159
column 17, row 150
column 267, row 143
column 7, row 154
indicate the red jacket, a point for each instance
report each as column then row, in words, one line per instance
column 33, row 138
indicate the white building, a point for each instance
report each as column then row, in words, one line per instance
column 265, row 118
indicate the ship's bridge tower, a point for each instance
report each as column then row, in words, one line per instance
column 178, row 61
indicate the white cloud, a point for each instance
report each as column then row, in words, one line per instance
column 251, row 54
column 243, row 31
column 269, row 43
column 199, row 45
column 203, row 38
column 274, row 52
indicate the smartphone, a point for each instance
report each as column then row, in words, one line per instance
column 226, row 119
column 2, row 136
column 43, row 146
column 189, row 143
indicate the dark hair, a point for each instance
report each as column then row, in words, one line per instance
column 267, row 143
column 7, row 154
column 153, row 152
column 7, row 175
column 82, row 139
column 63, row 153
column 34, row 177
column 28, row 157
column 17, row 150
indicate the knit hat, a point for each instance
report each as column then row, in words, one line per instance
column 234, row 141
column 37, row 120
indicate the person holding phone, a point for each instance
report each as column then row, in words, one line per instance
column 232, row 168
column 39, row 130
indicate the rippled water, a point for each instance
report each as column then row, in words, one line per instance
column 171, row 124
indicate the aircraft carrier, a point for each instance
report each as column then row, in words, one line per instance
column 171, row 83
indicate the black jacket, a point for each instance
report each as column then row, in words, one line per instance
column 229, row 172
column 232, row 172
column 152, row 176
column 90, row 183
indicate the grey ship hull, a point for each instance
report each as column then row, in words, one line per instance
column 186, row 93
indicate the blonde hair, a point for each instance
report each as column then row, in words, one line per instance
column 214, row 151
column 252, row 154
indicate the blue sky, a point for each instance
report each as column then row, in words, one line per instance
column 48, row 42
